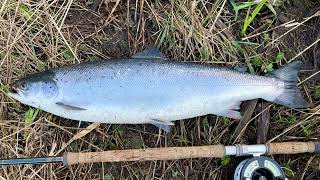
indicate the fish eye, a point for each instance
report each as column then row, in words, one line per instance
column 23, row 86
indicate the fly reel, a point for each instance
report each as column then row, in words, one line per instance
column 259, row 168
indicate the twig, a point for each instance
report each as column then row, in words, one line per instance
column 78, row 136
column 304, row 50
column 298, row 25
column 254, row 35
column 295, row 125
column 218, row 15
column 305, row 169
column 96, row 5
column 64, row 39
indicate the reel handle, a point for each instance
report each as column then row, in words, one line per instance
column 293, row 147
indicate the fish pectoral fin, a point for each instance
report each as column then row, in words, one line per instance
column 164, row 125
column 69, row 107
column 150, row 53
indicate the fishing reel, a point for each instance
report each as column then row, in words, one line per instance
column 259, row 168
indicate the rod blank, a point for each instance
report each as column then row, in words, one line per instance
column 37, row 160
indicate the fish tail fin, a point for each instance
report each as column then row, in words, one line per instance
column 291, row 96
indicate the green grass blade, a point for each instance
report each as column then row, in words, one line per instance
column 254, row 13
column 238, row 6
column 271, row 9
column 246, row 22
column 24, row 11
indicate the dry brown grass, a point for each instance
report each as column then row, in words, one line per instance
column 38, row 35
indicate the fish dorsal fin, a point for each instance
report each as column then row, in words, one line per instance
column 150, row 53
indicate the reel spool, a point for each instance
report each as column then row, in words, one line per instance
column 259, row 168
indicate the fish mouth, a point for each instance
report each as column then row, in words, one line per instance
column 13, row 91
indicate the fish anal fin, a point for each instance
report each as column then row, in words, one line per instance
column 164, row 125
column 69, row 107
column 150, row 53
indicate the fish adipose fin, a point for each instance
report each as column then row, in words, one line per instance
column 291, row 95
column 164, row 125
column 150, row 53
column 69, row 107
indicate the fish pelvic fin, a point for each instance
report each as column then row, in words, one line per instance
column 291, row 96
column 164, row 125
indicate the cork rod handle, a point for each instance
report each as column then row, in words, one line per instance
column 168, row 153
column 293, row 147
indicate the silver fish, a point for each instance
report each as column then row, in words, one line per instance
column 149, row 88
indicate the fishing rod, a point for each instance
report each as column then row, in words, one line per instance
column 257, row 165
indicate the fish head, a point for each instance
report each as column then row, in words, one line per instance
column 34, row 90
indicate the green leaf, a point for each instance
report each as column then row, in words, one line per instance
column 307, row 130
column 2, row 178
column 269, row 68
column 204, row 54
column 68, row 55
column 226, row 160
column 257, row 61
column 266, row 37
column 24, row 11
column 226, row 121
column 287, row 171
column 279, row 57
column 30, row 116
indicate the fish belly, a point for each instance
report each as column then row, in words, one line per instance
column 142, row 106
